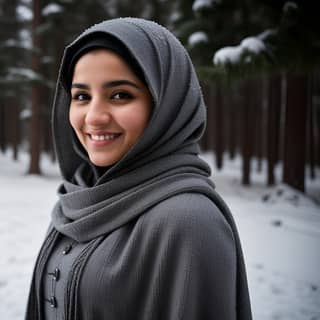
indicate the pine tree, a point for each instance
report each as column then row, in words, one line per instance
column 12, row 52
column 262, row 38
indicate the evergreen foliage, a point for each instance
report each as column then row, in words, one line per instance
column 289, row 32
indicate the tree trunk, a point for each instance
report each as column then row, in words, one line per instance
column 2, row 129
column 35, row 142
column 310, row 131
column 218, row 126
column 15, row 128
column 238, row 111
column 204, row 140
column 273, row 123
column 246, row 132
column 257, row 119
column 295, row 131
column 316, row 113
column 231, row 122
column 210, row 117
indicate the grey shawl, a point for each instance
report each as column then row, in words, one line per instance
column 162, row 164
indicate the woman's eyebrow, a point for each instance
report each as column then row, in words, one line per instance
column 109, row 84
column 116, row 83
column 79, row 86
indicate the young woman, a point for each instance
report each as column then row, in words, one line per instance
column 138, row 231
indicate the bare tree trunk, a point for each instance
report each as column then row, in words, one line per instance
column 230, row 123
column 35, row 142
column 316, row 115
column 257, row 119
column 204, row 140
column 210, row 116
column 15, row 128
column 273, row 120
column 235, row 134
column 310, row 131
column 295, row 131
column 218, row 126
column 246, row 132
column 2, row 129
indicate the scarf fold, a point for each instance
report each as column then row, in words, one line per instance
column 84, row 213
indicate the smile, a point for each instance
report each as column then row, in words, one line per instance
column 104, row 137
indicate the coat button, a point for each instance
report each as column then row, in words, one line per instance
column 52, row 301
column 67, row 249
column 55, row 274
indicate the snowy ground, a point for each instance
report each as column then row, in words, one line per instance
column 279, row 229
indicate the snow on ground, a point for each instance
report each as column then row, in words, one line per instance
column 280, row 233
column 25, row 203
column 279, row 229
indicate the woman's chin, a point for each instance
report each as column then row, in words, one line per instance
column 102, row 161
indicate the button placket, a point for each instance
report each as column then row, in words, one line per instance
column 55, row 277
column 55, row 273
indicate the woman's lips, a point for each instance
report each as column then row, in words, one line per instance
column 103, row 139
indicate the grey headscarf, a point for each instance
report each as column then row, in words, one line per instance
column 163, row 161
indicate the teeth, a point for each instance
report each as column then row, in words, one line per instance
column 109, row 136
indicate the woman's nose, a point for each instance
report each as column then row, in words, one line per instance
column 98, row 113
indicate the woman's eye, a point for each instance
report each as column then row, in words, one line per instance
column 80, row 97
column 121, row 96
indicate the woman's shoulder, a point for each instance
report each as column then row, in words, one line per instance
column 188, row 214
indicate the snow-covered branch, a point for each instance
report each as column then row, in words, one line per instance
column 251, row 46
column 197, row 38
column 22, row 74
column 51, row 8
column 199, row 5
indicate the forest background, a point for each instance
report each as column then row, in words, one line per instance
column 258, row 62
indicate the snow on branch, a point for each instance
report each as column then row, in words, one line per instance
column 22, row 73
column 267, row 34
column 234, row 54
column 25, row 114
column 13, row 43
column 197, row 38
column 228, row 55
column 25, row 38
column 24, row 13
column 289, row 5
column 253, row 44
column 199, row 5
column 51, row 8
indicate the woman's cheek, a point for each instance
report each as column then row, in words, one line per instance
column 74, row 117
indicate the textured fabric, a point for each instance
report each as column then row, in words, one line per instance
column 105, row 42
column 175, row 251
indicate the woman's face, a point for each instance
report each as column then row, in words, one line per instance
column 110, row 106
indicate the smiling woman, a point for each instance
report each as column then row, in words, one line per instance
column 138, row 231
column 110, row 106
